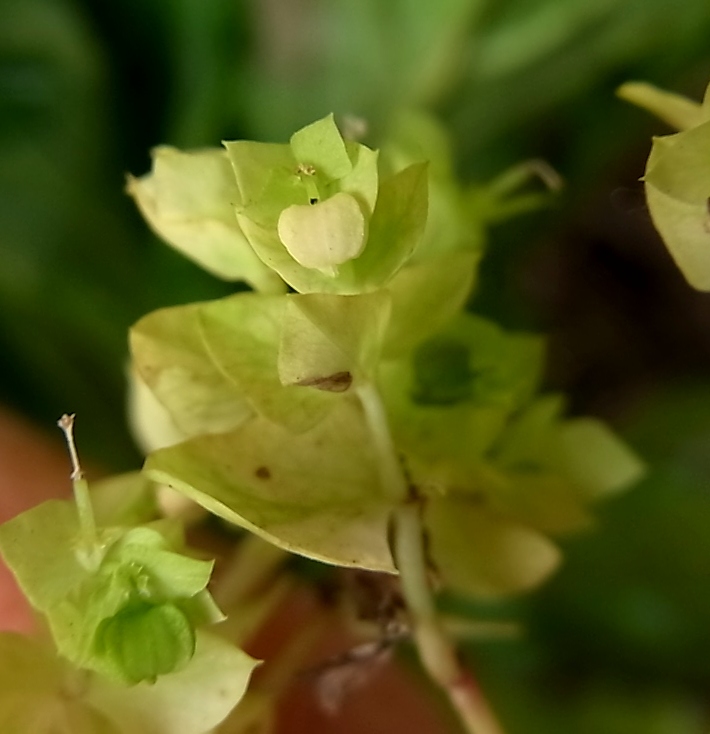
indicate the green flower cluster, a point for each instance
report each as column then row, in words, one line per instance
column 125, row 606
column 302, row 412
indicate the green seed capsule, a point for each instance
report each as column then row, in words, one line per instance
column 143, row 641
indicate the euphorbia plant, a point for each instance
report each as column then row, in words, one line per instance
column 348, row 409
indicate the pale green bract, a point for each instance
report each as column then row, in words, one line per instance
column 677, row 179
column 171, row 358
column 314, row 493
column 323, row 235
column 315, row 211
column 43, row 694
column 475, row 459
column 123, row 578
column 188, row 199
column 494, row 469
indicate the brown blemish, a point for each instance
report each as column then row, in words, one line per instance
column 263, row 472
column 337, row 382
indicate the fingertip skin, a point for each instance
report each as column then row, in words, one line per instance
column 33, row 468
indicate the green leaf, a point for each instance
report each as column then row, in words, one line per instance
column 595, row 459
column 677, row 183
column 546, row 470
column 171, row 357
column 536, row 498
column 396, row 227
column 321, row 145
column 530, row 436
column 39, row 546
column 188, row 200
column 325, row 234
column 507, row 366
column 193, row 700
column 675, row 109
column 466, row 408
column 326, row 337
column 480, row 554
column 425, row 297
column 123, row 499
column 315, row 493
column 362, row 181
column 171, row 575
column 684, row 230
column 150, row 422
column 442, row 374
column 243, row 335
column 255, row 165
column 678, row 166
column 439, row 435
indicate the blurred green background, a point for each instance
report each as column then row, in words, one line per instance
column 619, row 641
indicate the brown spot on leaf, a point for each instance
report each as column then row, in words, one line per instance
column 337, row 382
column 263, row 472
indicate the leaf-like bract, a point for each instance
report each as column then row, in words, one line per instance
column 171, row 358
column 193, row 700
column 188, row 200
column 316, row 493
column 243, row 336
column 479, row 554
column 325, row 335
column 321, row 146
column 325, row 234
column 677, row 183
column 425, row 297
column 38, row 547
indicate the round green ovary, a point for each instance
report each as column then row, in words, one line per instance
column 144, row 641
column 325, row 234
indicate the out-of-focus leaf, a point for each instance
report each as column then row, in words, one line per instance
column 480, row 554
column 425, row 296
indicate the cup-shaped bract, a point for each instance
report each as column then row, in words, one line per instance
column 315, row 211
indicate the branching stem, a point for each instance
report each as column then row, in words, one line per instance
column 436, row 651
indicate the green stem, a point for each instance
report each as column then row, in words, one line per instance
column 436, row 651
column 392, row 478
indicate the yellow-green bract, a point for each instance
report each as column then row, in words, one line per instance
column 677, row 179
